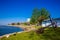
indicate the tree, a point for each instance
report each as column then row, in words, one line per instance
column 18, row 23
column 13, row 24
column 44, row 15
column 35, row 16
column 39, row 15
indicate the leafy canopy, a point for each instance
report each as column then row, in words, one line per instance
column 39, row 15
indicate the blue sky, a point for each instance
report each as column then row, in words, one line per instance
column 20, row 10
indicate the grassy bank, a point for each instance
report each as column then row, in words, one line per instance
column 49, row 34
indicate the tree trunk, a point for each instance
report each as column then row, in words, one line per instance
column 40, row 23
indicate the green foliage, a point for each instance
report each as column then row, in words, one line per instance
column 34, row 16
column 38, row 14
column 18, row 23
column 44, row 13
column 13, row 24
column 33, row 20
column 25, row 23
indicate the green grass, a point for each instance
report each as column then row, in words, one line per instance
column 49, row 34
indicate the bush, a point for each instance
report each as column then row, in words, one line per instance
column 18, row 23
column 13, row 24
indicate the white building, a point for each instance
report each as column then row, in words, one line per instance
column 48, row 22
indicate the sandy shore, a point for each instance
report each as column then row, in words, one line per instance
column 25, row 27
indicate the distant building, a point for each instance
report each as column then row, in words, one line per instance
column 48, row 22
